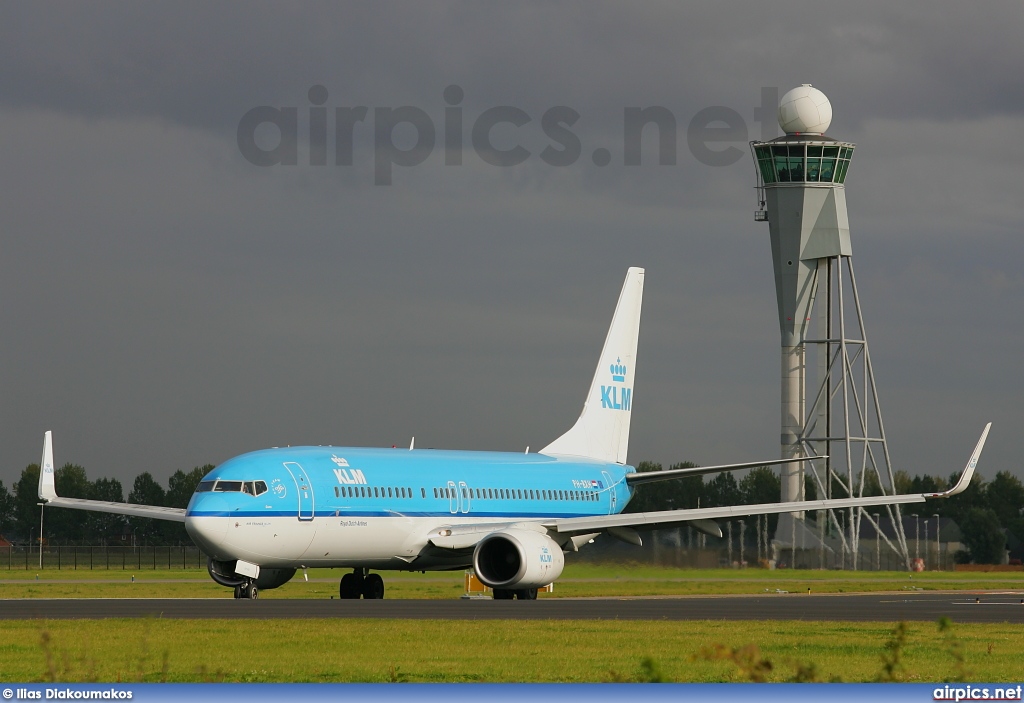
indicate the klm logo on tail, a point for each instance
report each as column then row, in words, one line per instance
column 617, row 397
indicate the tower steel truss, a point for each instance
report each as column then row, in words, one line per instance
column 843, row 420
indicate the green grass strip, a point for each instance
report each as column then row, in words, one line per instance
column 502, row 651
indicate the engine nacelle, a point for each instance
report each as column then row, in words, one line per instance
column 518, row 558
column 223, row 572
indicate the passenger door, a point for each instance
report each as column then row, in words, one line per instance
column 304, row 488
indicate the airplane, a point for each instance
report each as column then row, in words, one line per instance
column 510, row 517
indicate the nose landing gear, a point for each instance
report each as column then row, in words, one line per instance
column 247, row 591
column 360, row 584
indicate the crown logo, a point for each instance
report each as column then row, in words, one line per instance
column 618, row 370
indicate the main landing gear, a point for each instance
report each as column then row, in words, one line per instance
column 361, row 584
column 247, row 590
column 510, row 593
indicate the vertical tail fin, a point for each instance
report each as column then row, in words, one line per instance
column 602, row 430
column 47, row 491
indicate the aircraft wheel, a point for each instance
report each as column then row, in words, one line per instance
column 526, row 593
column 504, row 594
column 351, row 586
column 254, row 592
column 238, row 592
column 373, row 587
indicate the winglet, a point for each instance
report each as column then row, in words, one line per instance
column 968, row 474
column 47, row 492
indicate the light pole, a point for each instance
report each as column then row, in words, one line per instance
column 41, row 506
column 878, row 543
column 938, row 544
column 743, row 526
column 926, row 543
column 917, row 537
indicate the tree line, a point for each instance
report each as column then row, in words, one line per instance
column 984, row 512
column 20, row 514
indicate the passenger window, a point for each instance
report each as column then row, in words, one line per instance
column 337, row 493
column 423, row 492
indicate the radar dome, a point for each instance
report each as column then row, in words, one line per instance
column 805, row 110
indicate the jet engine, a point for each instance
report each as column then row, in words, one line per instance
column 223, row 572
column 517, row 559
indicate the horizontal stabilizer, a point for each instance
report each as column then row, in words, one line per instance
column 667, row 474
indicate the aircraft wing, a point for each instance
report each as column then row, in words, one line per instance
column 151, row 511
column 48, row 494
column 671, row 518
column 466, row 536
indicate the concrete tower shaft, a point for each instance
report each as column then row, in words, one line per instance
column 807, row 224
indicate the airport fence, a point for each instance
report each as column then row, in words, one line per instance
column 683, row 548
column 101, row 557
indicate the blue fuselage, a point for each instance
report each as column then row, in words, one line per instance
column 344, row 506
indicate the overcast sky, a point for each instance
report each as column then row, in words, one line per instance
column 166, row 303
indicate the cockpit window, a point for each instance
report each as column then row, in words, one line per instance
column 252, row 488
column 228, row 487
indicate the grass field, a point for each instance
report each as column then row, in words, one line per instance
column 500, row 650
column 578, row 580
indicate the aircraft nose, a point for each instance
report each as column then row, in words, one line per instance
column 205, row 521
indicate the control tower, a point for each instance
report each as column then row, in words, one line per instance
column 801, row 194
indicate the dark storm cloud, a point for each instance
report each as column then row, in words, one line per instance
column 170, row 304
column 203, row 65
